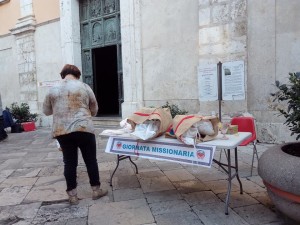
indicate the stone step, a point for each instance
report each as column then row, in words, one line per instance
column 107, row 122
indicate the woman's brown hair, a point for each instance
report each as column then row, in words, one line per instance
column 70, row 69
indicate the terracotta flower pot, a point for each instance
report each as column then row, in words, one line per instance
column 280, row 172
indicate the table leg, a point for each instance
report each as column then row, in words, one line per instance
column 136, row 169
column 229, row 182
column 118, row 162
column 120, row 158
column 237, row 170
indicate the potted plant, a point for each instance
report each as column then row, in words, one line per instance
column 174, row 109
column 279, row 165
column 21, row 113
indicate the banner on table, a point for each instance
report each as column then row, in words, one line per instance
column 201, row 155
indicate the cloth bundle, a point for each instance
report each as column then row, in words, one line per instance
column 192, row 129
column 149, row 123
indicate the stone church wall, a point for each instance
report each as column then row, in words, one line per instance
column 163, row 43
column 49, row 60
column 169, row 33
column 28, row 60
column 9, row 82
column 265, row 35
column 273, row 51
column 223, row 38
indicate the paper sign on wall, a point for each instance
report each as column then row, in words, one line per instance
column 208, row 82
column 48, row 83
column 233, row 81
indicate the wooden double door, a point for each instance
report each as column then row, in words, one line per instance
column 101, row 53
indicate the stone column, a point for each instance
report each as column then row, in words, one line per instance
column 131, row 56
column 70, row 32
column 25, row 47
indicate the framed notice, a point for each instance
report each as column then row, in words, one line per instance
column 163, row 149
column 233, row 82
column 208, row 82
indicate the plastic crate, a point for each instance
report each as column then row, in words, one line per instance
column 28, row 126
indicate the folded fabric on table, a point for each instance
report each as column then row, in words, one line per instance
column 114, row 132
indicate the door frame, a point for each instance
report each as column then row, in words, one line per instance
column 131, row 47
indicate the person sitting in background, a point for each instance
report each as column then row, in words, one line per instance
column 10, row 122
column 3, row 134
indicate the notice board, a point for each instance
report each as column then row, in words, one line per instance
column 232, row 78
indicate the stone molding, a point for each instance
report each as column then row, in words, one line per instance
column 24, row 24
column 24, row 31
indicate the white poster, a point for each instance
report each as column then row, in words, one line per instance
column 233, row 80
column 208, row 82
column 169, row 150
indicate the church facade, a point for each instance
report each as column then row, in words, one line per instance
column 136, row 53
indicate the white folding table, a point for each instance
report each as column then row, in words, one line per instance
column 230, row 144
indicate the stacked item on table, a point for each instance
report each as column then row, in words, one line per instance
column 149, row 123
column 232, row 129
column 192, row 129
column 125, row 129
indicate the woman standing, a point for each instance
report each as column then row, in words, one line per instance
column 72, row 104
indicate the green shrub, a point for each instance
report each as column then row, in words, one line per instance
column 22, row 113
column 174, row 109
column 290, row 93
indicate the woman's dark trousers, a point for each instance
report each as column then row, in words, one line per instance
column 86, row 142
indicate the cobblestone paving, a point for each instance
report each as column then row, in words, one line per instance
column 32, row 189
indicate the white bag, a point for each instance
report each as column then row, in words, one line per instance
column 126, row 126
column 205, row 127
column 146, row 130
column 189, row 137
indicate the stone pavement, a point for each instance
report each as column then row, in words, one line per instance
column 32, row 189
